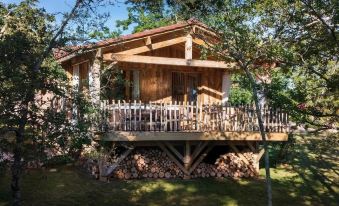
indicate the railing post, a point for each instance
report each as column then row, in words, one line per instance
column 140, row 113
column 175, row 116
column 119, row 115
column 170, row 115
column 113, row 114
column 135, row 115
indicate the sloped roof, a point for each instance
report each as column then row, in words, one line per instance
column 67, row 51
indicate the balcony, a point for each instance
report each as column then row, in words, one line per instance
column 138, row 121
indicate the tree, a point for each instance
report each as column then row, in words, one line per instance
column 148, row 15
column 27, row 70
column 308, row 76
column 294, row 43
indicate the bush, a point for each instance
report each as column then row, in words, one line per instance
column 59, row 160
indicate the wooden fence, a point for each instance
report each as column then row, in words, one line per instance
column 190, row 117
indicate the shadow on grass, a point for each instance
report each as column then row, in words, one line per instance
column 317, row 165
column 68, row 186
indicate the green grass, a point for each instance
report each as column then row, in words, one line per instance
column 310, row 177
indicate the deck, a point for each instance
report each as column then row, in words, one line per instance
column 177, row 121
column 121, row 136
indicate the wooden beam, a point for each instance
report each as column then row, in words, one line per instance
column 168, row 61
column 197, row 151
column 200, row 42
column 112, row 167
column 201, row 157
column 182, row 136
column 149, row 46
column 188, row 47
column 148, row 41
column 242, row 157
column 175, row 151
column 162, row 146
column 249, row 144
column 187, row 157
column 261, row 153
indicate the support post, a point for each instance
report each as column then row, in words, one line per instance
column 188, row 47
column 106, row 172
column 183, row 169
column 226, row 87
column 94, row 78
column 187, row 158
column 201, row 157
column 75, row 88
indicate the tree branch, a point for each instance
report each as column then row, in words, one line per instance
column 57, row 34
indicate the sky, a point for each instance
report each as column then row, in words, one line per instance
column 117, row 12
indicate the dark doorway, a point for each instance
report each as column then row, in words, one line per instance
column 185, row 86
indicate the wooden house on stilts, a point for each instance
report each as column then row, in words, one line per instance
column 174, row 100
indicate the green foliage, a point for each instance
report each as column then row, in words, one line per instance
column 26, row 32
column 145, row 15
column 34, row 93
column 240, row 90
column 58, row 160
column 308, row 32
column 300, row 38
column 240, row 96
column 113, row 84
column 104, row 33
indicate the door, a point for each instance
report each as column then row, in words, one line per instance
column 192, row 87
column 185, row 86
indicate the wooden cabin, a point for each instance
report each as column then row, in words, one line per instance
column 174, row 96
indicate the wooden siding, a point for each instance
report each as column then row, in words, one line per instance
column 156, row 80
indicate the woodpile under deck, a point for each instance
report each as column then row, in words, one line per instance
column 185, row 135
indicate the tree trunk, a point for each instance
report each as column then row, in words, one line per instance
column 17, row 164
column 263, row 135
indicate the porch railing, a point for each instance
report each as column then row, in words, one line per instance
column 188, row 117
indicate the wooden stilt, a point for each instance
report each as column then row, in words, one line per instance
column 250, row 145
column 197, row 151
column 201, row 157
column 107, row 172
column 169, row 154
column 187, row 158
column 175, row 151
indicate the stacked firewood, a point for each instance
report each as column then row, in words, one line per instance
column 147, row 164
column 90, row 165
column 227, row 165
column 153, row 163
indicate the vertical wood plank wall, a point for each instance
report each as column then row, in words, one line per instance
column 156, row 80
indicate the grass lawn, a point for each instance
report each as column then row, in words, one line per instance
column 310, row 177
